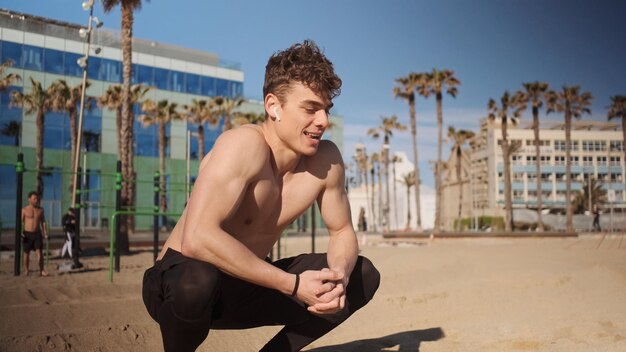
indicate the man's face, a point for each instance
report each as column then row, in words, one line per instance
column 303, row 119
column 33, row 200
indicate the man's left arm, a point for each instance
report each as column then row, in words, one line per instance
column 44, row 226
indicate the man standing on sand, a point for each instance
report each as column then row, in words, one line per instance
column 213, row 271
column 34, row 225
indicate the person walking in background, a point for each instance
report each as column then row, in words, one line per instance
column 69, row 228
column 34, row 226
column 596, row 218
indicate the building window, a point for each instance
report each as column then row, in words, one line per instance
column 10, row 119
column 56, row 131
column 192, row 83
column 560, row 145
column 617, row 146
column 601, row 161
column 616, row 161
column 587, row 160
column 221, row 86
column 12, row 51
column 531, row 160
column 207, row 86
column 517, row 160
column 53, row 61
column 161, row 78
column 546, row 177
column 559, row 160
column 93, row 67
column 71, row 65
column 177, row 81
column 144, row 75
column 545, row 160
column 110, row 71
column 574, row 160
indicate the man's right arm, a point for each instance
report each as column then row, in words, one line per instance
column 236, row 159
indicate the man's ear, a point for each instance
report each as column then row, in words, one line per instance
column 272, row 104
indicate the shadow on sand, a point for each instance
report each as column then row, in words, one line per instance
column 405, row 341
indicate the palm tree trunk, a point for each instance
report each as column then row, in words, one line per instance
column 508, row 214
column 395, row 195
column 227, row 123
column 538, row 167
column 130, row 221
column 127, row 171
column 200, row 141
column 367, row 196
column 387, row 207
column 459, row 154
column 374, row 218
column 39, row 151
column 163, row 197
column 408, row 207
column 380, row 198
column 569, row 225
column 118, row 125
column 438, row 189
column 416, row 165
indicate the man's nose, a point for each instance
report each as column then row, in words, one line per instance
column 321, row 119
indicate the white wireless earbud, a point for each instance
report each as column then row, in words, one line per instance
column 275, row 110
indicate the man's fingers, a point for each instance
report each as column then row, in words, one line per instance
column 329, row 275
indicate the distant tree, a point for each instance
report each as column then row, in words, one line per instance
column 510, row 108
column 405, row 89
column 39, row 102
column 572, row 103
column 459, row 138
column 13, row 129
column 409, row 181
column 160, row 114
column 227, row 107
column 6, row 80
column 66, row 98
column 617, row 110
column 437, row 81
column 535, row 93
column 591, row 193
column 386, row 128
column 201, row 112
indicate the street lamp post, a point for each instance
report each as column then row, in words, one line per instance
column 82, row 62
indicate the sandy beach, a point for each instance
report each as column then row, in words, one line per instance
column 480, row 294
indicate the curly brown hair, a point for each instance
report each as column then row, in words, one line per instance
column 305, row 63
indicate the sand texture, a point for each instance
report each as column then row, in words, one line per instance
column 485, row 294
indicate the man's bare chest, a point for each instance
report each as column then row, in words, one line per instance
column 275, row 203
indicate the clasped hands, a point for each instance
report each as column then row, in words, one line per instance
column 324, row 291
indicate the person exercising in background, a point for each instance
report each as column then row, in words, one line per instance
column 69, row 228
column 213, row 271
column 34, row 225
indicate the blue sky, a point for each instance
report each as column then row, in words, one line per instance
column 492, row 45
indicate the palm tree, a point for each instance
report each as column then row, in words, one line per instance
column 618, row 110
column 201, row 111
column 406, row 90
column 253, row 118
column 459, row 138
column 591, row 193
column 517, row 105
column 386, row 128
column 38, row 101
column 13, row 129
column 409, row 181
column 66, row 98
column 535, row 93
column 112, row 100
column 160, row 113
column 437, row 80
column 374, row 162
column 362, row 164
column 395, row 159
column 7, row 79
column 572, row 103
column 127, row 119
column 227, row 106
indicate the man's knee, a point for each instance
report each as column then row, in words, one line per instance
column 192, row 289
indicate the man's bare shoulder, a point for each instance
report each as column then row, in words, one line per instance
column 244, row 146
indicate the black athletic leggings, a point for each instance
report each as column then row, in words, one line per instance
column 188, row 297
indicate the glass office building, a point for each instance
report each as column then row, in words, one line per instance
column 46, row 51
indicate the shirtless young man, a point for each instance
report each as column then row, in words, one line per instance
column 213, row 272
column 34, row 224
